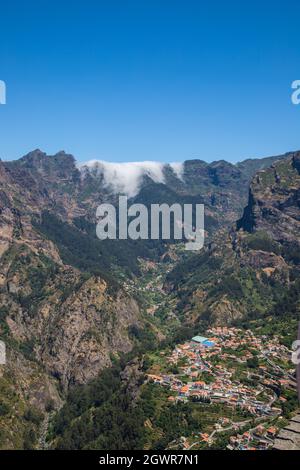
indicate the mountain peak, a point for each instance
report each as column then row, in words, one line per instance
column 36, row 154
column 274, row 200
column 39, row 159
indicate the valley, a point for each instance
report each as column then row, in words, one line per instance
column 99, row 334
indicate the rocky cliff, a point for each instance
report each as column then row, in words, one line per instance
column 245, row 273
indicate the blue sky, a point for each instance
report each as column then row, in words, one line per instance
column 160, row 80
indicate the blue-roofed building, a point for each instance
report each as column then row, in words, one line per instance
column 199, row 339
column 204, row 341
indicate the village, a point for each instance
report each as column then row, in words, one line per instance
column 237, row 369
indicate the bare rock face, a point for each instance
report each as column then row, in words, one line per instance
column 74, row 325
column 274, row 201
column 132, row 376
column 224, row 312
column 85, row 331
column 289, row 437
column 32, row 383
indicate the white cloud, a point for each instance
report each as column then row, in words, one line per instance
column 178, row 169
column 126, row 177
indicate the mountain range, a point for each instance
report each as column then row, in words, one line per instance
column 70, row 304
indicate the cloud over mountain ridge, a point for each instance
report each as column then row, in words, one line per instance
column 127, row 177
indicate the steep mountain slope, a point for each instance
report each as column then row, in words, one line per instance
column 61, row 323
column 274, row 202
column 252, row 270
